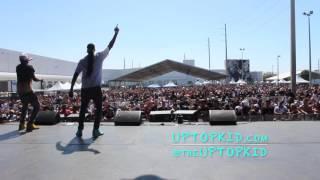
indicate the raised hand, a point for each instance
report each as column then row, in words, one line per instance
column 116, row 29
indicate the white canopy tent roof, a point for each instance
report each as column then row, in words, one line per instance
column 241, row 81
column 206, row 82
column 76, row 86
column 300, row 80
column 282, row 76
column 232, row 81
column 170, row 84
column 153, row 86
column 198, row 83
column 274, row 82
column 282, row 81
column 64, row 86
column 58, row 86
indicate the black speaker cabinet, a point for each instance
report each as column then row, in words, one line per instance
column 189, row 115
column 47, row 118
column 222, row 117
column 128, row 118
column 160, row 116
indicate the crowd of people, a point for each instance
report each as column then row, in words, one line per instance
column 258, row 102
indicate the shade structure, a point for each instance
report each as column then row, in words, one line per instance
column 167, row 66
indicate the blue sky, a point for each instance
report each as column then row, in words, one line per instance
column 151, row 31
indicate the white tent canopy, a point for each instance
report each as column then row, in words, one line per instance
column 232, row 81
column 274, row 82
column 153, row 86
column 77, row 85
column 170, row 84
column 207, row 82
column 58, row 86
column 67, row 85
column 282, row 76
column 300, row 80
column 198, row 83
column 282, row 81
column 241, row 81
column 64, row 86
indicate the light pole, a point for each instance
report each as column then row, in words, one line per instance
column 242, row 50
column 278, row 69
column 308, row 14
column 209, row 54
column 293, row 45
column 319, row 65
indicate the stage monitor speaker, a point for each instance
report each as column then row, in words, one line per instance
column 47, row 118
column 190, row 115
column 128, row 118
column 222, row 117
column 161, row 116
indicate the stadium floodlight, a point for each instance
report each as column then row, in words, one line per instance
column 308, row 14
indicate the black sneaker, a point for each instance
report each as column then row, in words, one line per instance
column 22, row 126
column 96, row 133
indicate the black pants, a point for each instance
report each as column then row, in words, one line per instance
column 87, row 94
column 26, row 99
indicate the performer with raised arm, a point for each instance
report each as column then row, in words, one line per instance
column 25, row 76
column 91, row 68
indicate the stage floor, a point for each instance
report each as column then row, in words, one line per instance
column 53, row 152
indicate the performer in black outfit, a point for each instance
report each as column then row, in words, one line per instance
column 25, row 76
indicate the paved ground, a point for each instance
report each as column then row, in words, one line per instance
column 53, row 152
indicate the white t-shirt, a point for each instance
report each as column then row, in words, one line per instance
column 96, row 77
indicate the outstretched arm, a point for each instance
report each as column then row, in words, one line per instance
column 116, row 31
column 35, row 78
column 103, row 54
